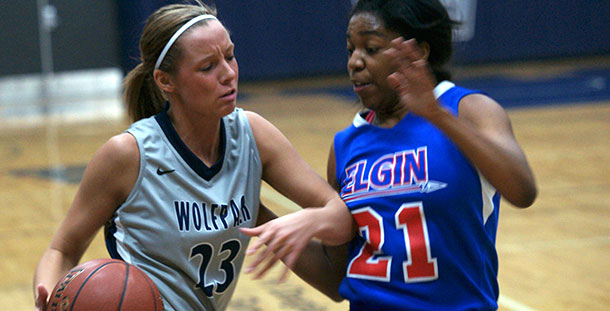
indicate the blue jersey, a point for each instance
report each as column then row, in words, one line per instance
column 427, row 219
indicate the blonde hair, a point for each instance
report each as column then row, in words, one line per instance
column 141, row 94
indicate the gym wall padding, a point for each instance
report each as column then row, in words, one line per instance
column 283, row 39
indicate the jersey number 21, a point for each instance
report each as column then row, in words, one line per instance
column 371, row 264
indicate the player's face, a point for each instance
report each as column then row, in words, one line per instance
column 367, row 65
column 206, row 79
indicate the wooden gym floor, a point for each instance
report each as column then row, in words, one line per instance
column 553, row 256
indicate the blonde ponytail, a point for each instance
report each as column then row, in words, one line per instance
column 141, row 94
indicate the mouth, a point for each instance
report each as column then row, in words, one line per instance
column 230, row 95
column 359, row 86
column 358, row 83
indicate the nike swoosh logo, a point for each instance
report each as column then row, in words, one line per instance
column 161, row 172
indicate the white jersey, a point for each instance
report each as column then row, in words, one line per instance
column 180, row 221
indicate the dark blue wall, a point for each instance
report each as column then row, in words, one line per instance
column 273, row 39
column 287, row 38
column 132, row 16
column 290, row 38
column 526, row 30
column 277, row 39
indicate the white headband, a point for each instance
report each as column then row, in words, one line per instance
column 178, row 33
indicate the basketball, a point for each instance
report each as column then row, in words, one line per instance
column 104, row 285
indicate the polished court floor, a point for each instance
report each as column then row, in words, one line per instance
column 553, row 256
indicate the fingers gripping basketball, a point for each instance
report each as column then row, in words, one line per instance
column 104, row 285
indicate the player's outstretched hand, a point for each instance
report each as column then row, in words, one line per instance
column 41, row 299
column 412, row 78
column 285, row 238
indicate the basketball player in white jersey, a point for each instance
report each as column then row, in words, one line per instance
column 173, row 190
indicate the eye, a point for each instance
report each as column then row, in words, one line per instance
column 372, row 50
column 230, row 58
column 206, row 67
column 350, row 49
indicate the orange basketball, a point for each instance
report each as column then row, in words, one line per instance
column 104, row 285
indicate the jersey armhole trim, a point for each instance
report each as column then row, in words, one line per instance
column 442, row 88
column 142, row 164
column 487, row 195
column 241, row 114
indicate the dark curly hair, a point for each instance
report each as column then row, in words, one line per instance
column 424, row 20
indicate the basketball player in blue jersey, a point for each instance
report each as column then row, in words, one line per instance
column 421, row 168
column 174, row 189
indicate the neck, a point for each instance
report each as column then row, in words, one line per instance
column 388, row 119
column 200, row 134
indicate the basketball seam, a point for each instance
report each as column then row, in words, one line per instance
column 152, row 289
column 85, row 282
column 124, row 285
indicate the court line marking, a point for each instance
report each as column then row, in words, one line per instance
column 276, row 198
column 512, row 304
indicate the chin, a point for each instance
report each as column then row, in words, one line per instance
column 227, row 109
column 368, row 103
column 378, row 103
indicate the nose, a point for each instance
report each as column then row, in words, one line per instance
column 355, row 62
column 228, row 71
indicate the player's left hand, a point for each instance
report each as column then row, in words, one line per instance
column 285, row 238
column 412, row 78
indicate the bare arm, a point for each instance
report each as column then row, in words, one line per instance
column 482, row 130
column 483, row 133
column 100, row 192
column 322, row 267
column 326, row 218
column 289, row 174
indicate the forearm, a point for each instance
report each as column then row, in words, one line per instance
column 288, row 236
column 53, row 265
column 335, row 224
column 315, row 266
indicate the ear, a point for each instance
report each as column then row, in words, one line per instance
column 163, row 80
column 425, row 49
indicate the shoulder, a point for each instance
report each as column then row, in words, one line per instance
column 123, row 144
column 120, row 151
column 253, row 117
column 113, row 170
column 260, row 126
column 470, row 105
column 480, row 109
column 270, row 141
